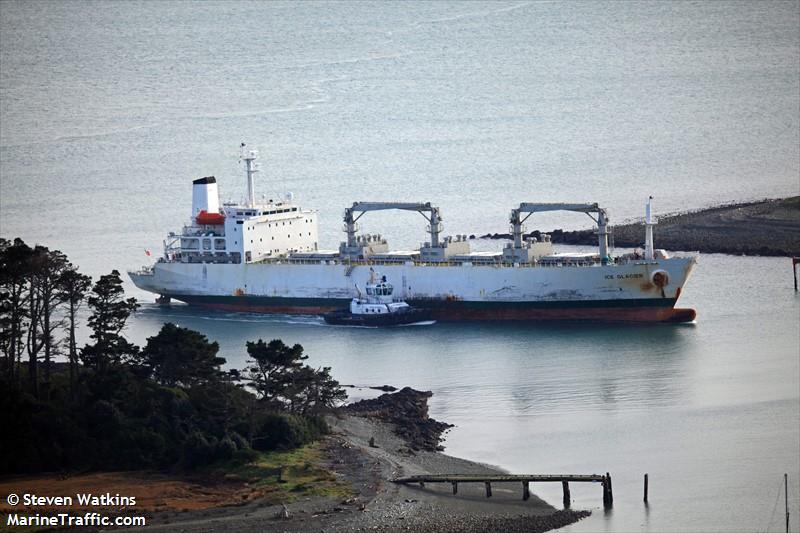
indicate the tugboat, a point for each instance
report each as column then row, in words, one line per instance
column 378, row 308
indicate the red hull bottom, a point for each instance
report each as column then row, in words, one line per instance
column 594, row 314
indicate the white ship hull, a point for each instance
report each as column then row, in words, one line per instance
column 614, row 292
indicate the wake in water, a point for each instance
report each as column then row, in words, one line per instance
column 187, row 312
column 421, row 323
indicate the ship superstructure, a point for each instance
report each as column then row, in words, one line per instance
column 265, row 257
column 234, row 233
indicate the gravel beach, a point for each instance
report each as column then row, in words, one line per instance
column 368, row 453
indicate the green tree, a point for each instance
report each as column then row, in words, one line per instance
column 73, row 287
column 180, row 356
column 272, row 368
column 318, row 391
column 110, row 314
column 280, row 378
column 14, row 313
column 50, row 266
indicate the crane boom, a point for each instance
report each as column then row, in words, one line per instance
column 363, row 207
column 602, row 221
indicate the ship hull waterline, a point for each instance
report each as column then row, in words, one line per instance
column 596, row 311
column 613, row 293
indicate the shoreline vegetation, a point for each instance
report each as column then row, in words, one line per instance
column 765, row 227
column 342, row 482
column 266, row 447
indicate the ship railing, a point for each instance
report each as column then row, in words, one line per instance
column 191, row 231
column 477, row 264
column 144, row 270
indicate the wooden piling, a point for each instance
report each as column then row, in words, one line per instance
column 795, row 262
column 608, row 492
column 525, row 479
column 645, row 488
column 786, row 483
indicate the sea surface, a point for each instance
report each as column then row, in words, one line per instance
column 108, row 110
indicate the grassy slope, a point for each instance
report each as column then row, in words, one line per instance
column 285, row 476
column 275, row 477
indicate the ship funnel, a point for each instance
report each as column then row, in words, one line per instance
column 205, row 196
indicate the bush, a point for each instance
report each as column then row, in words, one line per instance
column 244, row 456
column 197, row 450
column 225, row 449
column 280, row 431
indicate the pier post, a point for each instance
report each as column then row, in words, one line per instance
column 795, row 262
column 526, row 491
column 786, row 492
column 455, row 487
column 645, row 488
column 567, row 498
column 608, row 493
column 488, row 489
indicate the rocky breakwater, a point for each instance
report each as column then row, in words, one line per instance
column 407, row 411
column 767, row 227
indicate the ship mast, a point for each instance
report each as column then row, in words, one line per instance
column 249, row 160
column 649, row 222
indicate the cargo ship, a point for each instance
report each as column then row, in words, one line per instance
column 264, row 256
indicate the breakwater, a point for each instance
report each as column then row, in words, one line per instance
column 767, row 227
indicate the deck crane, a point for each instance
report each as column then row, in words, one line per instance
column 517, row 219
column 350, row 219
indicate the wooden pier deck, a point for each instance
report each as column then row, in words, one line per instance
column 525, row 479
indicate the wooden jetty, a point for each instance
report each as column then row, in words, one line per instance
column 525, row 479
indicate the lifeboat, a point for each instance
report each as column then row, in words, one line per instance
column 210, row 219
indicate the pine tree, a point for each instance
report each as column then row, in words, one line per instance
column 14, row 294
column 110, row 313
column 180, row 356
column 272, row 367
column 73, row 287
column 51, row 266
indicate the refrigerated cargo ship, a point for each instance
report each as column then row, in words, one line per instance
column 264, row 256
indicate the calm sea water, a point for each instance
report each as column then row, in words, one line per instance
column 109, row 109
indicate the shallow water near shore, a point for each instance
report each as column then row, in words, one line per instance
column 710, row 410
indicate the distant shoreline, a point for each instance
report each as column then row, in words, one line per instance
column 765, row 228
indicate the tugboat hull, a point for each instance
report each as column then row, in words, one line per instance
column 343, row 317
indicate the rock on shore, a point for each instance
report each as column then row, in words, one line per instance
column 408, row 411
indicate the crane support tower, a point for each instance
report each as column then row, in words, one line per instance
column 521, row 252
